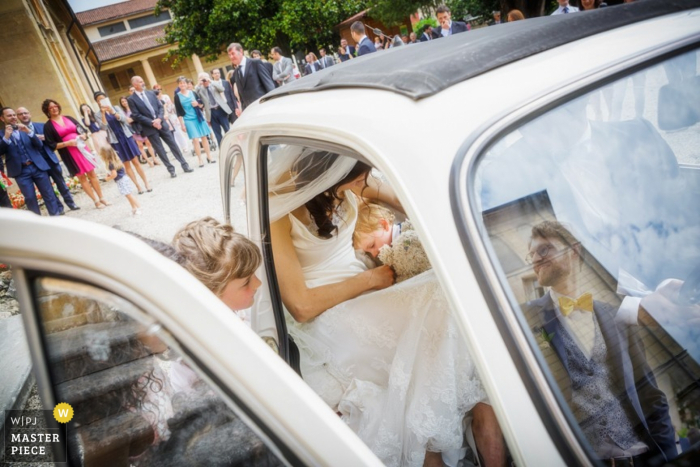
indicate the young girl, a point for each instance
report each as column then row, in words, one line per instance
column 116, row 172
column 225, row 261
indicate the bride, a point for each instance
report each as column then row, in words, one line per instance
column 388, row 358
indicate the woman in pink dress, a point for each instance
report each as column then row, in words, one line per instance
column 64, row 134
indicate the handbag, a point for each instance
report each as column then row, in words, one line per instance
column 85, row 151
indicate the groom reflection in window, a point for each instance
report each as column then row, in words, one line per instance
column 600, row 365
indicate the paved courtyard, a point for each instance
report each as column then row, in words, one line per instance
column 172, row 203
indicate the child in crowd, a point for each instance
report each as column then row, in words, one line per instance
column 116, row 172
column 396, row 245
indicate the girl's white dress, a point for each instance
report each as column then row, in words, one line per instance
column 392, row 362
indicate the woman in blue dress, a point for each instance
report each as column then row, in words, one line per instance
column 112, row 120
column 189, row 111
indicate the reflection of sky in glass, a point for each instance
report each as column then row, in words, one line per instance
column 623, row 171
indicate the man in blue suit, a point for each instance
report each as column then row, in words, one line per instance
column 147, row 111
column 364, row 45
column 55, row 172
column 598, row 363
column 26, row 164
column 447, row 26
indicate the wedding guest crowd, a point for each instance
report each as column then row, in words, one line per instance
column 139, row 123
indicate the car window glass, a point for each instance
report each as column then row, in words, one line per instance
column 136, row 400
column 590, row 211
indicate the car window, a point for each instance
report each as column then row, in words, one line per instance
column 137, row 399
column 389, row 352
column 590, row 213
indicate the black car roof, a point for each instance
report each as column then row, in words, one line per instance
column 424, row 69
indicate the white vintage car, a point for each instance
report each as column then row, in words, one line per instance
column 591, row 121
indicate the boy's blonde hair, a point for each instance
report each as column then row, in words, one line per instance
column 110, row 156
column 369, row 217
column 215, row 254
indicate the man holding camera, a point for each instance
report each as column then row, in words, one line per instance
column 26, row 164
column 216, row 109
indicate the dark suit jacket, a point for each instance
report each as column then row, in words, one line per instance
column 366, row 47
column 350, row 50
column 256, row 82
column 34, row 148
column 455, row 28
column 48, row 153
column 307, row 68
column 141, row 114
column 626, row 358
column 270, row 67
column 228, row 92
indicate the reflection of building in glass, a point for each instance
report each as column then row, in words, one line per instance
column 509, row 228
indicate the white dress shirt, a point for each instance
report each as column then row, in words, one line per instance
column 446, row 32
column 242, row 66
column 560, row 10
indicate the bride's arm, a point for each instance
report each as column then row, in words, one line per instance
column 378, row 191
column 306, row 303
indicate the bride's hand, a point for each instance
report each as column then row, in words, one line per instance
column 380, row 277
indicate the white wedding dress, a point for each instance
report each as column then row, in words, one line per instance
column 392, row 361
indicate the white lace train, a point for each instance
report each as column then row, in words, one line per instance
column 394, row 365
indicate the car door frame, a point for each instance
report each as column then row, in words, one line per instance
column 261, row 386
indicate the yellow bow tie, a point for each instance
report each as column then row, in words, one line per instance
column 584, row 303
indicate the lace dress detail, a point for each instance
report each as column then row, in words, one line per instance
column 392, row 361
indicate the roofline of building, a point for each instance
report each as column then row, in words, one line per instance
column 114, row 18
column 120, row 57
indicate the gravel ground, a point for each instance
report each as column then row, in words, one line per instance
column 172, row 203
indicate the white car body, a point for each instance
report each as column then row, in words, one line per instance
column 414, row 143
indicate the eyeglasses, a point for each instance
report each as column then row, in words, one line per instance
column 542, row 251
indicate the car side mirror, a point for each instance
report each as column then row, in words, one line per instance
column 679, row 105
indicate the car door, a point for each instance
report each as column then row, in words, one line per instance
column 592, row 195
column 157, row 370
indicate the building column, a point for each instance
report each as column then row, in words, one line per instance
column 149, row 73
column 197, row 64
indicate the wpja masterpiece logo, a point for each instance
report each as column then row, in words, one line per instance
column 32, row 436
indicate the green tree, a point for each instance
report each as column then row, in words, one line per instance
column 206, row 27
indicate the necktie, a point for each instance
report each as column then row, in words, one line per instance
column 148, row 104
column 565, row 10
column 583, row 303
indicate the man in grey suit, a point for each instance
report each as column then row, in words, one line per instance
column 325, row 60
column 216, row 109
column 282, row 71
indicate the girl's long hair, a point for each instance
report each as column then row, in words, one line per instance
column 109, row 156
column 91, row 114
